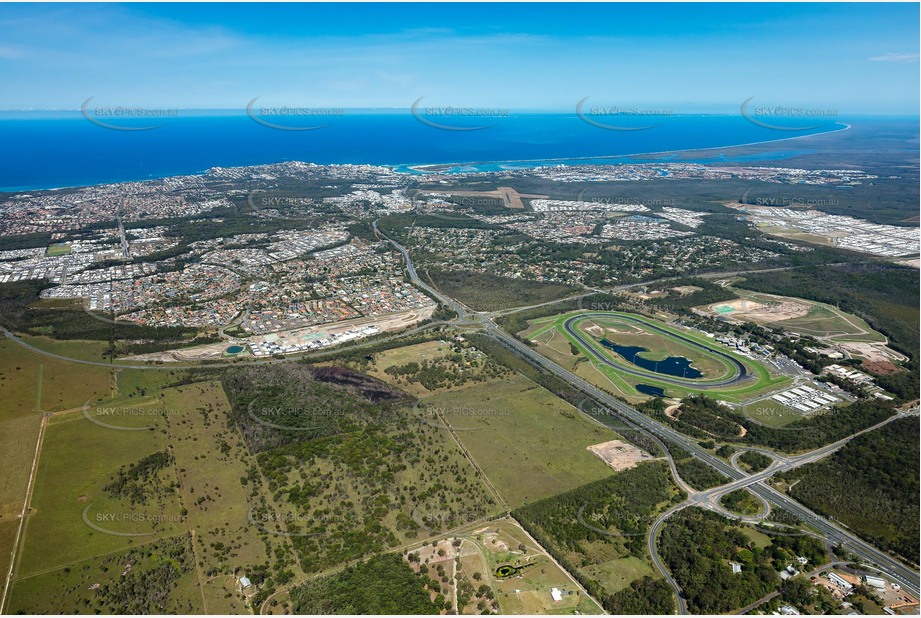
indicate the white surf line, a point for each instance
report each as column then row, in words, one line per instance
column 416, row 166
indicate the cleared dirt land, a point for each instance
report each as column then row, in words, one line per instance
column 796, row 315
column 761, row 312
column 619, row 455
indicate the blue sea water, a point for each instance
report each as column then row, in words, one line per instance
column 42, row 151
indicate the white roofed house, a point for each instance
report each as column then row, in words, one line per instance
column 244, row 585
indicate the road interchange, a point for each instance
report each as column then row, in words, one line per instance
column 769, row 497
column 834, row 534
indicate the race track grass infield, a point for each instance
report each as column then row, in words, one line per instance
column 657, row 347
column 530, row 443
column 553, row 341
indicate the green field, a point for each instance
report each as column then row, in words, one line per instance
column 196, row 508
column 486, row 292
column 17, row 443
column 106, row 584
column 530, row 443
column 771, row 413
column 56, row 250
column 434, row 366
column 211, row 460
column 32, row 384
column 29, row 385
column 78, row 459
column 552, row 341
column 760, row 539
column 615, row 575
column 29, row 382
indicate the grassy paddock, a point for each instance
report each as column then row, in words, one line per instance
column 78, row 459
column 530, row 443
column 210, row 461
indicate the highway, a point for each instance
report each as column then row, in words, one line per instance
column 902, row 574
column 460, row 309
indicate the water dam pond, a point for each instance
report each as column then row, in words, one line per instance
column 677, row 366
column 646, row 389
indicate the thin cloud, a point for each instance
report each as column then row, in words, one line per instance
column 11, row 53
column 909, row 57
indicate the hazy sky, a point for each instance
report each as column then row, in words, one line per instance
column 853, row 58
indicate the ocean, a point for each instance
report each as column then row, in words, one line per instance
column 42, row 151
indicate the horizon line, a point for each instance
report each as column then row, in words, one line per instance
column 522, row 110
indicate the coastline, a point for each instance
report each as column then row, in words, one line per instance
column 418, row 167
column 424, row 168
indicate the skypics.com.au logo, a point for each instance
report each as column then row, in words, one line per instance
column 619, row 117
column 109, row 522
column 295, row 208
column 153, row 410
column 787, row 201
column 123, row 117
column 288, row 418
column 271, row 117
column 444, row 417
column 288, row 524
column 785, row 118
column 450, row 118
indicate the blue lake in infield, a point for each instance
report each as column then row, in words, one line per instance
column 677, row 366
